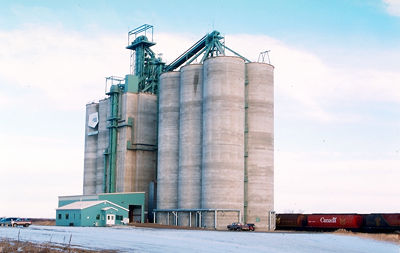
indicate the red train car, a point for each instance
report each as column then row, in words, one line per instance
column 289, row 221
column 334, row 221
column 393, row 219
column 381, row 222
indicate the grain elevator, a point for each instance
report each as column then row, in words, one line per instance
column 195, row 135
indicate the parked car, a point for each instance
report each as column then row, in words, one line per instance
column 21, row 222
column 251, row 226
column 8, row 221
column 236, row 226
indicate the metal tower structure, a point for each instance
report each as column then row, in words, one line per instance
column 210, row 45
column 146, row 68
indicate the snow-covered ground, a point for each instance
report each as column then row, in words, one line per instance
column 130, row 239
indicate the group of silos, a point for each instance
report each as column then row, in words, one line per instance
column 96, row 142
column 215, row 141
column 136, row 142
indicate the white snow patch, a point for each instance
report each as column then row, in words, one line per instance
column 130, row 239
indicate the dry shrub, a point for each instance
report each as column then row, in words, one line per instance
column 8, row 246
column 387, row 237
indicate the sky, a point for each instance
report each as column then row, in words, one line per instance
column 337, row 94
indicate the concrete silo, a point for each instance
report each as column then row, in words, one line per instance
column 144, row 141
column 137, row 140
column 102, row 144
column 91, row 130
column 259, row 143
column 211, row 162
column 168, row 147
column 190, row 129
column 223, row 137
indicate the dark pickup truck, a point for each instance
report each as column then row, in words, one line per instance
column 236, row 226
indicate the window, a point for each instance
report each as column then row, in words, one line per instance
column 98, row 217
column 66, row 216
column 59, row 216
column 119, row 217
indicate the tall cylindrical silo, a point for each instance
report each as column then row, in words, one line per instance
column 89, row 177
column 145, row 134
column 260, row 143
column 168, row 135
column 102, row 144
column 223, row 137
column 190, row 128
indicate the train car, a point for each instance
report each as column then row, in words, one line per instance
column 381, row 222
column 334, row 221
column 291, row 221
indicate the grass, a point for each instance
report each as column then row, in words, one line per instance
column 7, row 245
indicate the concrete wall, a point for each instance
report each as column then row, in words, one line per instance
column 168, row 136
column 137, row 141
column 145, row 139
column 260, row 143
column 126, row 159
column 102, row 143
column 223, row 137
column 190, row 129
column 89, row 177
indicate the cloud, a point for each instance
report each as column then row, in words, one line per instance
column 336, row 183
column 392, row 7
column 65, row 68
column 314, row 85
column 38, row 169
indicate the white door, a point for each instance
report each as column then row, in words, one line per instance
column 110, row 219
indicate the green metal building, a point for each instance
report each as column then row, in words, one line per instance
column 91, row 213
column 101, row 209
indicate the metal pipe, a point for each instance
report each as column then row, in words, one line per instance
column 246, row 136
column 105, row 172
column 205, row 56
column 196, row 210
column 114, row 95
column 195, row 57
column 244, row 58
